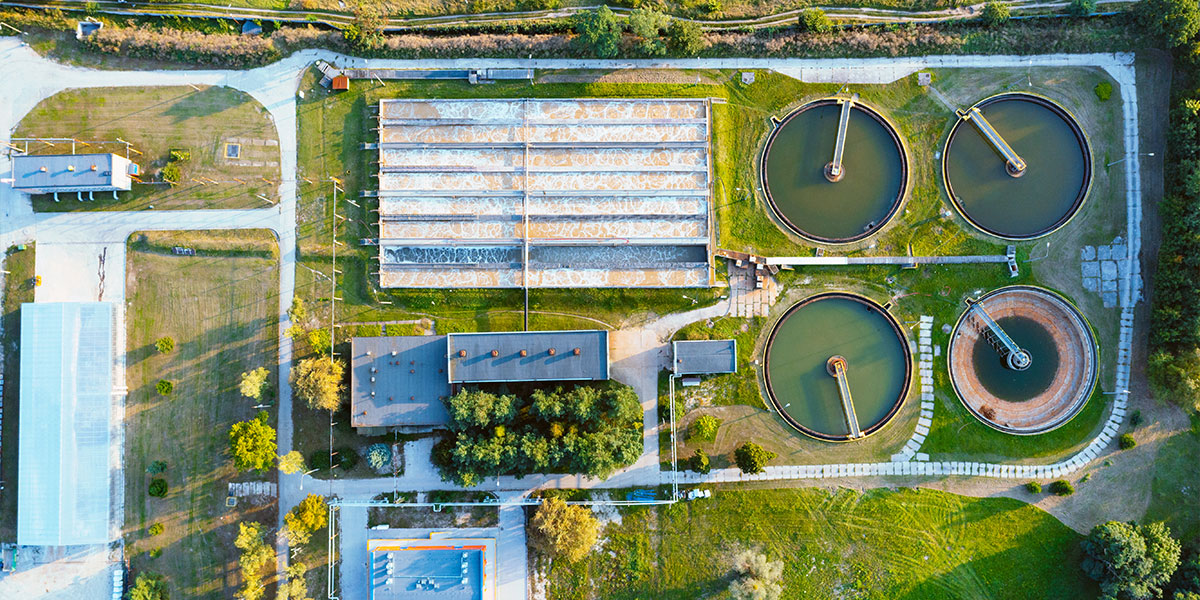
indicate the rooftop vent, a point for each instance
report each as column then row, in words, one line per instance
column 495, row 353
column 93, row 167
column 576, row 352
column 551, row 351
column 462, row 353
column 42, row 169
column 71, row 168
column 524, row 353
column 393, row 352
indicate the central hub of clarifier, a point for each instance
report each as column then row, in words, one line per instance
column 834, row 176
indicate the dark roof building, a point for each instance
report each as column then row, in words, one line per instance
column 398, row 380
column 528, row 356
column 53, row 173
column 702, row 357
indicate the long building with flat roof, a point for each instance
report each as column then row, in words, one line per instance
column 401, row 381
column 66, row 391
column 579, row 192
column 58, row 173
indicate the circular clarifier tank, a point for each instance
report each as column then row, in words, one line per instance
column 825, row 333
column 1023, row 398
column 828, row 205
column 1032, row 187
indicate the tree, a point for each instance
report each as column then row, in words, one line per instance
column 704, row 428
column 752, row 458
column 1033, row 487
column 1126, row 441
column 297, row 313
column 157, row 467
column 471, row 408
column 758, row 577
column 646, row 24
column 164, row 387
column 319, row 382
column 684, row 38
column 599, row 32
column 310, row 515
column 294, row 587
column 699, row 462
column 1187, row 578
column 256, row 554
column 252, row 444
column 1177, row 21
column 1130, row 562
column 320, row 341
column 254, row 383
column 814, row 20
column 292, row 462
column 1081, row 8
column 148, row 587
column 994, row 14
column 366, row 32
column 562, row 531
column 155, row 529
column 157, row 488
column 164, row 344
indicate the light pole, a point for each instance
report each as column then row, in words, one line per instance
column 306, row 474
column 1124, row 159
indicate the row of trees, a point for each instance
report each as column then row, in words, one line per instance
column 1174, row 364
column 587, row 429
column 1139, row 562
column 651, row 33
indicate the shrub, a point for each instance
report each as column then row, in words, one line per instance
column 164, row 344
column 994, row 14
column 154, row 553
column 347, row 458
column 179, row 155
column 1104, row 91
column 1033, row 487
column 171, row 173
column 318, row 459
column 156, row 529
column 158, row 487
column 1126, row 441
column 157, row 467
column 254, row 383
column 320, row 341
column 148, row 586
column 758, row 577
column 179, row 45
column 1062, row 487
column 1081, row 8
column 752, row 458
column 379, row 456
column 703, row 428
column 297, row 313
column 164, row 387
column 814, row 20
column 685, row 38
column 699, row 462
column 1135, row 418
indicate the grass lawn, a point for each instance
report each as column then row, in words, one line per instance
column 221, row 311
column 18, row 288
column 1177, row 483
column 156, row 120
column 906, row 544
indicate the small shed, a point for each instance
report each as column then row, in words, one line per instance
column 251, row 28
column 703, row 357
column 341, row 83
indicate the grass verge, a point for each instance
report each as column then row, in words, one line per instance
column 18, row 289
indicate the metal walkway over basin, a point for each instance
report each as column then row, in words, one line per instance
column 1015, row 357
column 834, row 171
column 1014, row 165
column 837, row 368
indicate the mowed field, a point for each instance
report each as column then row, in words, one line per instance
column 156, row 120
column 221, row 309
column 899, row 545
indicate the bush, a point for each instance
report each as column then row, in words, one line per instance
column 148, row 586
column 1081, row 8
column 1062, row 487
column 703, row 428
column 1104, row 91
column 164, row 344
column 164, row 387
column 994, row 14
column 814, row 20
column 347, row 458
column 1126, row 441
column 685, row 38
column 1033, row 487
column 379, row 456
column 699, row 462
column 156, row 529
column 157, row 467
column 254, row 383
column 318, row 459
column 752, row 458
column 171, row 173
column 179, row 155
column 158, row 487
column 1135, row 418
column 231, row 50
